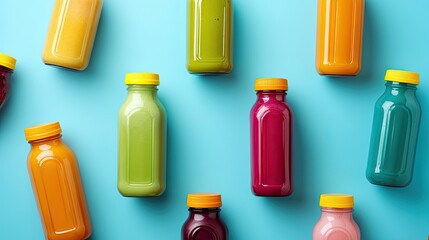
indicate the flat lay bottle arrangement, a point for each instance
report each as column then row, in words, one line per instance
column 336, row 222
column 142, row 122
column 142, row 138
column 7, row 65
column 204, row 221
column 71, row 33
column 57, row 186
column 271, row 139
column 395, row 130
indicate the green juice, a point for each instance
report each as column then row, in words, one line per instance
column 209, row 36
column 142, row 141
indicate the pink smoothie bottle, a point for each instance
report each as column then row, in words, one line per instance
column 271, row 139
column 336, row 222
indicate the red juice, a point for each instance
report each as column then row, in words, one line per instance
column 204, row 222
column 271, row 139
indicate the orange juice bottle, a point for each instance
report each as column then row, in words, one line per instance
column 339, row 37
column 71, row 33
column 57, row 185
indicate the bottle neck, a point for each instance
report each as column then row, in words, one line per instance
column 4, row 69
column 51, row 140
column 145, row 91
column 271, row 95
column 400, row 86
column 345, row 212
column 5, row 73
column 200, row 213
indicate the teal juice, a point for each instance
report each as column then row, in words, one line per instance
column 394, row 132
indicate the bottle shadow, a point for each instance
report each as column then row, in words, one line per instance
column 370, row 56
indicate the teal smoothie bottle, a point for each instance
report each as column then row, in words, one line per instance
column 142, row 138
column 394, row 131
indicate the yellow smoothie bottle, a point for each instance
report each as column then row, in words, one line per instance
column 57, row 185
column 71, row 33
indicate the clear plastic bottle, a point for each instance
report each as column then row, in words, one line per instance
column 336, row 222
column 339, row 37
column 395, row 130
column 142, row 138
column 271, row 139
column 204, row 221
column 209, row 36
column 7, row 65
column 57, row 186
column 71, row 33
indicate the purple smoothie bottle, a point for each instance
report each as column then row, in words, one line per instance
column 204, row 222
column 271, row 139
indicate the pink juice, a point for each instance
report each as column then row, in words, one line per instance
column 336, row 221
column 271, row 139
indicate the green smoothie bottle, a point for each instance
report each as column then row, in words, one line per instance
column 142, row 138
column 209, row 36
column 394, row 131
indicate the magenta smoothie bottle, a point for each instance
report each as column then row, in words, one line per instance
column 204, row 222
column 271, row 139
column 336, row 222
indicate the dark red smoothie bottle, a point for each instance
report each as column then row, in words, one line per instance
column 204, row 222
column 271, row 139
column 7, row 65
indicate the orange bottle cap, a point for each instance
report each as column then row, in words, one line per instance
column 204, row 200
column 42, row 131
column 271, row 84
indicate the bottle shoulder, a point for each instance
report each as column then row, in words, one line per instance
column 41, row 152
column 328, row 226
column 388, row 102
column 152, row 107
column 263, row 109
column 212, row 226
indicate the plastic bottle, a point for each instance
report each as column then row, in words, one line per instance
column 336, row 222
column 271, row 139
column 142, row 138
column 7, row 65
column 209, row 36
column 339, row 37
column 71, row 33
column 394, row 131
column 57, row 186
column 204, row 222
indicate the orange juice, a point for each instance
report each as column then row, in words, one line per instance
column 71, row 33
column 57, row 185
column 339, row 37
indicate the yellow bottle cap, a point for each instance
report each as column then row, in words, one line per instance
column 42, row 131
column 142, row 78
column 204, row 200
column 402, row 76
column 271, row 84
column 335, row 200
column 7, row 61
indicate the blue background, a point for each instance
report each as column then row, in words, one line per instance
column 208, row 126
